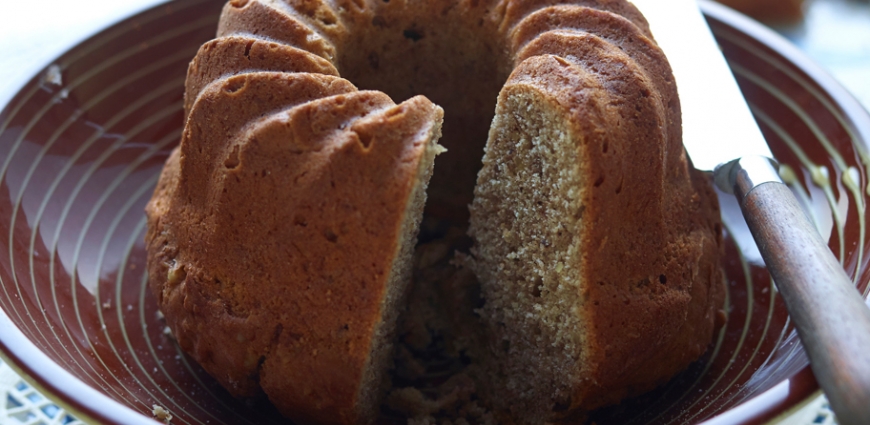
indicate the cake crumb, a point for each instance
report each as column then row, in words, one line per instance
column 107, row 305
column 161, row 414
column 53, row 75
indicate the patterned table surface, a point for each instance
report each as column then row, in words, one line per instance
column 32, row 33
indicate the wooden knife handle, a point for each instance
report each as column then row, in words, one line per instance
column 830, row 315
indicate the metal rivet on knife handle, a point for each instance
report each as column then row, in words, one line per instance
column 749, row 172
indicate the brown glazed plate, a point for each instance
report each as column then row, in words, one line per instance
column 82, row 143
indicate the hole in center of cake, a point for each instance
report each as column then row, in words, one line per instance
column 452, row 59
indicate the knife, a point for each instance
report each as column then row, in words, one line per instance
column 721, row 137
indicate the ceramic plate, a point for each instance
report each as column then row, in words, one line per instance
column 82, row 143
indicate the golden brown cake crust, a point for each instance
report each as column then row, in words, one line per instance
column 516, row 10
column 280, row 233
column 620, row 32
column 233, row 55
column 314, row 183
column 266, row 18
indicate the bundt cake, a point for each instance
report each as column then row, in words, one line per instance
column 281, row 234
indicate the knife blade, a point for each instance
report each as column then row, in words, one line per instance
column 721, row 137
column 717, row 124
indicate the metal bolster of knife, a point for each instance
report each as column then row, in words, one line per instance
column 744, row 174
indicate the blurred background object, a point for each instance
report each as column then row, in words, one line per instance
column 769, row 11
column 835, row 33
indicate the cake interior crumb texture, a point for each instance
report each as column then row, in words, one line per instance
column 528, row 251
column 380, row 360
